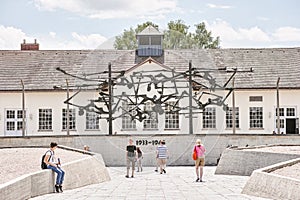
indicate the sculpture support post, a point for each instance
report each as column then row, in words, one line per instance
column 68, row 108
column 23, row 109
column 110, row 100
column 233, row 109
column 190, row 99
column 278, row 114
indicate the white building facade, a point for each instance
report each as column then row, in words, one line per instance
column 255, row 93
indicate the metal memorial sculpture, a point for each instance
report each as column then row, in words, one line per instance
column 128, row 96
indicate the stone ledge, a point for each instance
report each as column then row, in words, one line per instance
column 79, row 173
column 262, row 183
column 235, row 161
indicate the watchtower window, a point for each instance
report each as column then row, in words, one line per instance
column 155, row 40
column 144, row 40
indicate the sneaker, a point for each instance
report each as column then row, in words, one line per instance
column 198, row 179
column 60, row 188
column 127, row 176
column 57, row 188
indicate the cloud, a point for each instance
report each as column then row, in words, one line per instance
column 89, row 41
column 52, row 34
column 263, row 18
column 218, row 6
column 253, row 37
column 103, row 9
column 285, row 34
column 11, row 38
column 238, row 37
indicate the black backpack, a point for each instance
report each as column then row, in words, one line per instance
column 43, row 164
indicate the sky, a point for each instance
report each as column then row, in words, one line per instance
column 91, row 24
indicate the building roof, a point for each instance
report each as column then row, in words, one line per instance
column 38, row 69
column 150, row 30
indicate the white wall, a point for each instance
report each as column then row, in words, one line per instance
column 55, row 99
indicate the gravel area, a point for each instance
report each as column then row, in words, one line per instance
column 278, row 149
column 16, row 162
column 290, row 171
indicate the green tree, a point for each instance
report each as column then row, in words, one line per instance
column 127, row 40
column 203, row 38
column 177, row 36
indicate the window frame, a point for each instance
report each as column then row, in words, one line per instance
column 256, row 118
column 209, row 118
column 171, row 117
column 45, row 119
column 72, row 119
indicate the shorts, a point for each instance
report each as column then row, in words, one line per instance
column 130, row 162
column 162, row 161
column 200, row 162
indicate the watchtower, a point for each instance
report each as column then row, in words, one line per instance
column 150, row 42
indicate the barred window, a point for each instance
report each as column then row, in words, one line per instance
column 10, row 126
column 45, row 119
column 72, row 119
column 209, row 118
column 171, row 116
column 290, row 112
column 151, row 121
column 255, row 98
column 281, row 123
column 10, row 114
column 229, row 117
column 281, row 111
column 91, row 121
column 127, row 121
column 256, row 117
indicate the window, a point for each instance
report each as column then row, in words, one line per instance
column 144, row 40
column 155, row 40
column 171, row 116
column 255, row 98
column 10, row 114
column 45, row 119
column 91, row 121
column 14, row 122
column 72, row 119
column 151, row 121
column 281, row 123
column 127, row 121
column 209, row 118
column 290, row 112
column 281, row 111
column 229, row 117
column 10, row 126
column 256, row 117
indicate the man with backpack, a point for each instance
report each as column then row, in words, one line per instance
column 54, row 165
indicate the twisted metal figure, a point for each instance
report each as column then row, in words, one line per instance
column 163, row 85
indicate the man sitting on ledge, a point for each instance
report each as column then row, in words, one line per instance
column 54, row 165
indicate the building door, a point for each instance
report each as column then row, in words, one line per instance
column 290, row 126
column 13, row 122
column 289, row 123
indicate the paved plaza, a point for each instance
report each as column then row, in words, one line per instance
column 177, row 183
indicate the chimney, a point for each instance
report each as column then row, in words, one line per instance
column 30, row 46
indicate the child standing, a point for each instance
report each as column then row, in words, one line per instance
column 139, row 159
